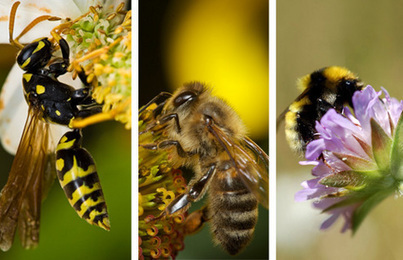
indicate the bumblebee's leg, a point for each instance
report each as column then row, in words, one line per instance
column 322, row 107
column 194, row 193
column 79, row 179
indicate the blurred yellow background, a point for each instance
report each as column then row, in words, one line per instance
column 225, row 45
column 365, row 37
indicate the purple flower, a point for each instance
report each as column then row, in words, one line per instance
column 357, row 158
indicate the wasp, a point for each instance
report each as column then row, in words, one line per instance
column 326, row 88
column 207, row 136
column 49, row 101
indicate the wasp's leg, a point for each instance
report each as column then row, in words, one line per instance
column 194, row 193
column 60, row 68
column 84, row 113
column 79, row 179
column 65, row 49
column 84, row 78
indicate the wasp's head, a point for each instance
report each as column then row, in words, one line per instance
column 35, row 55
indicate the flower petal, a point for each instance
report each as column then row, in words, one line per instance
column 358, row 156
column 14, row 110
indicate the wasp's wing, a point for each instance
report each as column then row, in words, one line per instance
column 251, row 163
column 20, row 199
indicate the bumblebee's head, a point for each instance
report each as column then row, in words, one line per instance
column 340, row 81
column 342, row 78
column 35, row 55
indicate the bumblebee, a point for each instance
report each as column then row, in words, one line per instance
column 206, row 135
column 49, row 101
column 330, row 87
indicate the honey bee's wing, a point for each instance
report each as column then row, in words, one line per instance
column 20, row 199
column 244, row 156
column 257, row 151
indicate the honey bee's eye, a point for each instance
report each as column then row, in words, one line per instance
column 184, row 97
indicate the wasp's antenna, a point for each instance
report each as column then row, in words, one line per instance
column 11, row 26
column 39, row 19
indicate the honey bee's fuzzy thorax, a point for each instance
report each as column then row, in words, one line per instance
column 205, row 134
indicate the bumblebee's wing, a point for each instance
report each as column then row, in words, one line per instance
column 281, row 117
column 251, row 163
column 20, row 199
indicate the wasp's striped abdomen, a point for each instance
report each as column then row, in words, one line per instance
column 79, row 179
column 233, row 211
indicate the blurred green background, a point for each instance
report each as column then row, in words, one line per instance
column 365, row 37
column 63, row 235
column 224, row 44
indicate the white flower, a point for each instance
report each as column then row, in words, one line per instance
column 13, row 108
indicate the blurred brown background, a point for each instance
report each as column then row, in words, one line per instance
column 365, row 37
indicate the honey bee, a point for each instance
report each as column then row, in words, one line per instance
column 209, row 137
column 330, row 87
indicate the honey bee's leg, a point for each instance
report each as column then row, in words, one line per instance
column 162, row 121
column 195, row 192
column 160, row 95
column 195, row 221
column 166, row 144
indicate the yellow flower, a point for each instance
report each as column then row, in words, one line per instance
column 159, row 184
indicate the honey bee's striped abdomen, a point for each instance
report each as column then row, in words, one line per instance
column 233, row 213
column 79, row 179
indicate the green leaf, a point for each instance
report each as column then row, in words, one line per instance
column 355, row 162
column 343, row 179
column 362, row 211
column 381, row 145
column 396, row 167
